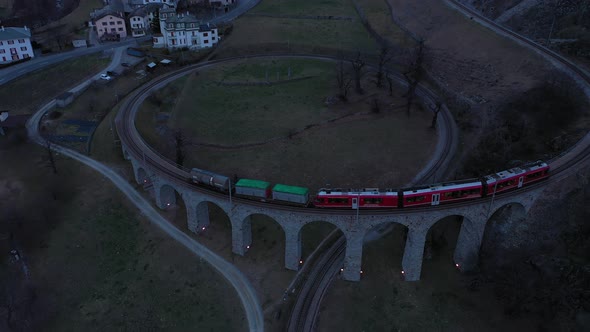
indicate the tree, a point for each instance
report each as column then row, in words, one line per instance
column 357, row 69
column 155, row 25
column 390, row 83
column 50, row 158
column 384, row 58
column 343, row 80
column 435, row 110
column 414, row 74
column 180, row 142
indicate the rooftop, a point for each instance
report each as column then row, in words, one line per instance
column 8, row 33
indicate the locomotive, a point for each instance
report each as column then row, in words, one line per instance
column 374, row 198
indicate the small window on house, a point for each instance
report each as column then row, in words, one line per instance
column 213, row 38
column 120, row 29
column 1, row 43
column 21, row 41
column 119, row 22
column 26, row 56
column 10, row 42
column 2, row 51
column 205, row 34
column 206, row 41
column 23, row 48
column 104, row 23
column 112, row 23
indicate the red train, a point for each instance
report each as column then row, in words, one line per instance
column 449, row 192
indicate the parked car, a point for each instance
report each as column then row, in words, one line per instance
column 105, row 77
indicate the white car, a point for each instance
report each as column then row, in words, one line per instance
column 105, row 77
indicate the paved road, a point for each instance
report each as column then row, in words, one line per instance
column 13, row 72
column 246, row 292
column 242, row 7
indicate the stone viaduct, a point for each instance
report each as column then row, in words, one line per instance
column 475, row 217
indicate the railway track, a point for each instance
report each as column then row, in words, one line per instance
column 304, row 314
column 303, row 317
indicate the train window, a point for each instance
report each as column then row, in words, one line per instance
column 319, row 200
column 373, row 200
column 411, row 199
column 420, row 198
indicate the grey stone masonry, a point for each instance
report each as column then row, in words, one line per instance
column 475, row 216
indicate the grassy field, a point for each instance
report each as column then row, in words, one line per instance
column 253, row 34
column 285, row 133
column 26, row 94
column 379, row 17
column 100, row 266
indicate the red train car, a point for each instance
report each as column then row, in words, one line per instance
column 443, row 193
column 362, row 199
column 516, row 177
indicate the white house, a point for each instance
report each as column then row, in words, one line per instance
column 184, row 30
column 15, row 44
column 139, row 22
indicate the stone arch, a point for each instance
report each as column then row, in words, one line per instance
column 383, row 249
column 442, row 247
column 142, row 177
column 205, row 211
column 311, row 235
column 166, row 196
column 502, row 225
column 264, row 237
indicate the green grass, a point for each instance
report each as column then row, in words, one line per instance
column 286, row 134
column 26, row 94
column 252, row 34
column 379, row 17
column 305, row 7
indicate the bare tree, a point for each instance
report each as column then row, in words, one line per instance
column 50, row 157
column 435, row 110
column 180, row 142
column 357, row 68
column 390, row 83
column 414, row 74
column 343, row 80
column 384, row 58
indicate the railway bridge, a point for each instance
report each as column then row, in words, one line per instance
column 354, row 224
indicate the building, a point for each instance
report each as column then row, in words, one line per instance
column 184, row 30
column 168, row 3
column 110, row 24
column 15, row 44
column 139, row 22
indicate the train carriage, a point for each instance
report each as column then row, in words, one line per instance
column 365, row 198
column 443, row 193
column 253, row 188
column 214, row 180
column 535, row 172
column 292, row 194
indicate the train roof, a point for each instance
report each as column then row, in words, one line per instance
column 252, row 184
column 465, row 184
column 283, row 188
column 357, row 192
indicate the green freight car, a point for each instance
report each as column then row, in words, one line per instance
column 254, row 188
column 291, row 194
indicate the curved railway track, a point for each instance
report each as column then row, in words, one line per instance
column 328, row 265
column 303, row 318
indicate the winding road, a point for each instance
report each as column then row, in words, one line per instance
column 246, row 292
